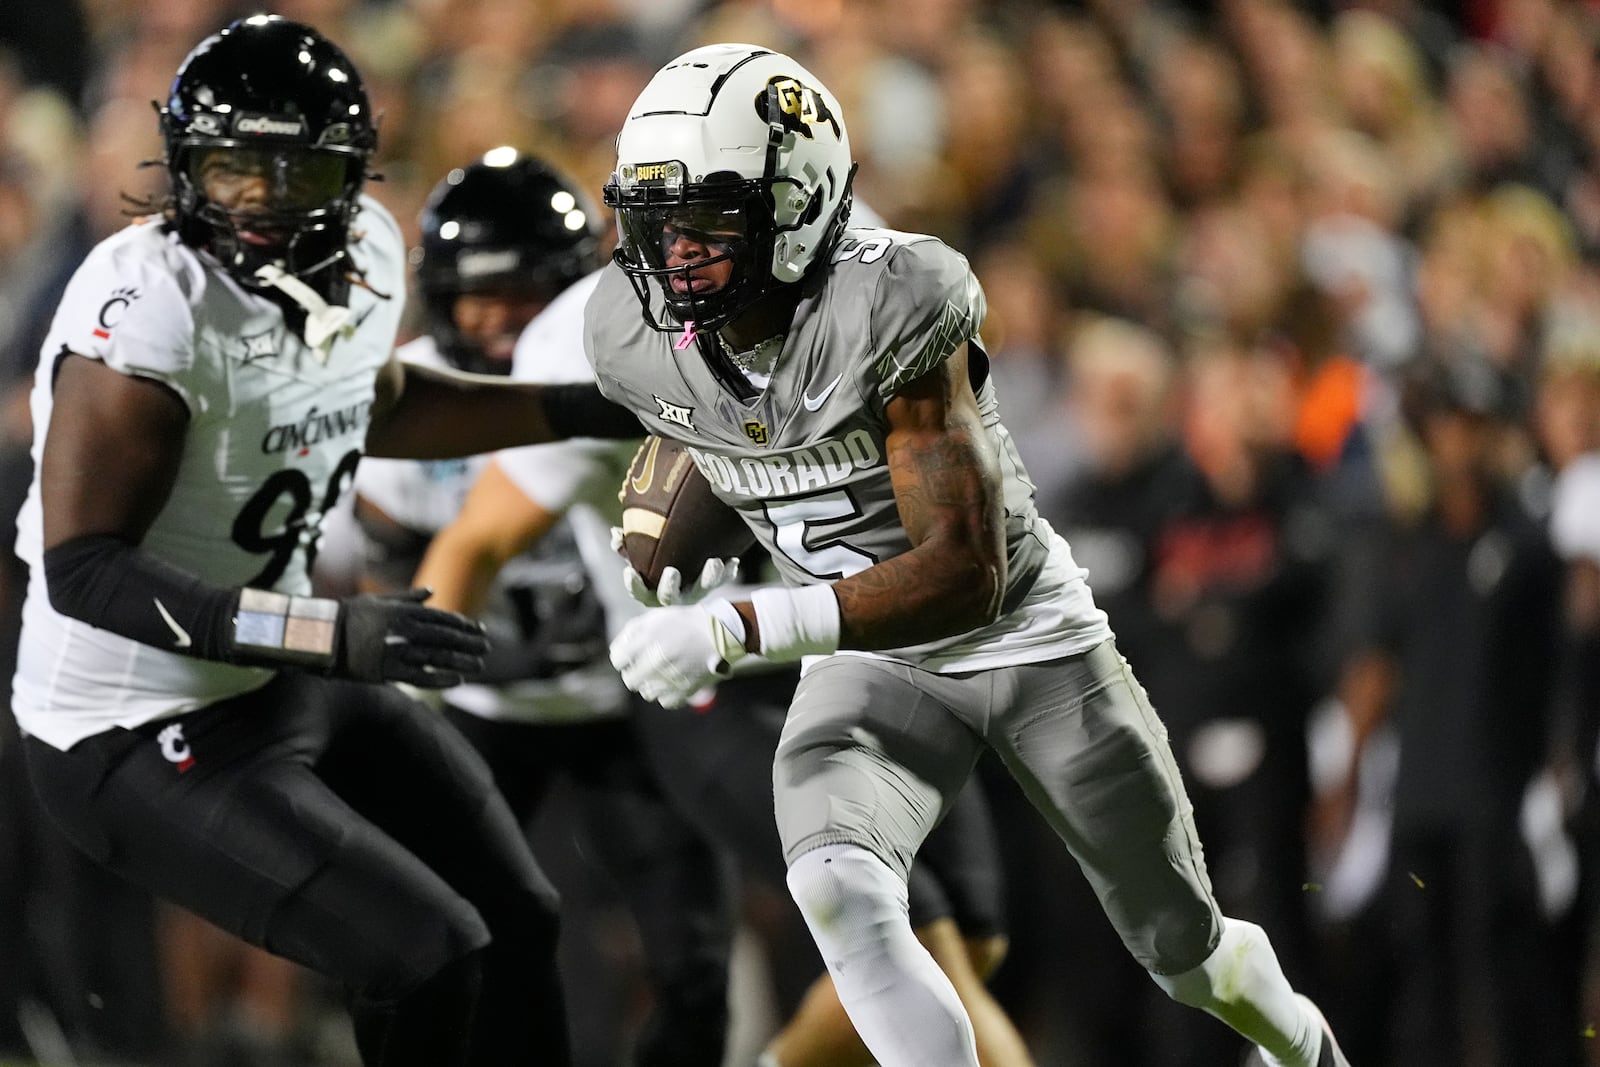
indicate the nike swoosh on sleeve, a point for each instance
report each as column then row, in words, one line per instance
column 184, row 641
column 816, row 402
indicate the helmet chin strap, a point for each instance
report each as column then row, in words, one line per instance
column 323, row 320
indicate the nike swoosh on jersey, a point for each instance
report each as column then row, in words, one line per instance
column 816, row 402
column 184, row 641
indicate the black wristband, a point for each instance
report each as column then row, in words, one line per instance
column 579, row 410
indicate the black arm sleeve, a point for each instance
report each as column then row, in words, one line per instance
column 109, row 583
column 579, row 410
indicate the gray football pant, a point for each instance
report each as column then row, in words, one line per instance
column 873, row 751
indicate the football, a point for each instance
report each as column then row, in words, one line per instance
column 670, row 516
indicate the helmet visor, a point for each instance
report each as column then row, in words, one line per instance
column 705, row 249
column 677, row 234
column 273, row 181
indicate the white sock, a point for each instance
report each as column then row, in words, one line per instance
column 1242, row 984
column 901, row 1003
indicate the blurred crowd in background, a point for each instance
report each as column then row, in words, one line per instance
column 1295, row 316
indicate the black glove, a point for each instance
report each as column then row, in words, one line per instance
column 393, row 637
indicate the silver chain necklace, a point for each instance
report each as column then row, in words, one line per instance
column 758, row 360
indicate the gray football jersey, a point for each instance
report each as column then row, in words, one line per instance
column 804, row 461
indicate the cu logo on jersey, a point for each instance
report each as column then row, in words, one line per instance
column 756, row 430
column 175, row 747
column 800, row 107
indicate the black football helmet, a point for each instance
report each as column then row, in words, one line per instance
column 268, row 97
column 508, row 222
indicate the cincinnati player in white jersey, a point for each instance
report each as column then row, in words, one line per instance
column 502, row 238
column 552, row 595
column 401, row 504
column 195, row 720
column 834, row 386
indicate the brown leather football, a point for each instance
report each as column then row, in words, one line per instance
column 670, row 516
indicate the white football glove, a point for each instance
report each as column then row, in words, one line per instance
column 669, row 591
column 670, row 654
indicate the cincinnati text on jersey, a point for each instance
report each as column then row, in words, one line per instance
column 317, row 426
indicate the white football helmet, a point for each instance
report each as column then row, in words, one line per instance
column 742, row 144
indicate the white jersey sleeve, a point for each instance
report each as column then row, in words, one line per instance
column 130, row 306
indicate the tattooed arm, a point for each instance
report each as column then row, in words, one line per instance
column 947, row 488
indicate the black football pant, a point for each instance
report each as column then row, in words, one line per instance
column 350, row 829
column 671, row 879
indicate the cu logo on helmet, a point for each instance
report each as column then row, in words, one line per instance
column 800, row 107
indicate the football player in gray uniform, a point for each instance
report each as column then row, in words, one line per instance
column 713, row 765
column 196, row 720
column 833, row 387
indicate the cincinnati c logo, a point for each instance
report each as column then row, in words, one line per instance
column 800, row 107
column 175, row 747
